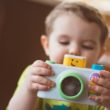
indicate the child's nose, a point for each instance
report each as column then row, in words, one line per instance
column 75, row 50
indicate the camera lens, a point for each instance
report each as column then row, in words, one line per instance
column 70, row 86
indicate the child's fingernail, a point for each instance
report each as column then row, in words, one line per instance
column 51, row 84
column 92, row 97
column 52, row 73
column 95, row 79
column 49, row 67
column 92, row 87
column 101, row 73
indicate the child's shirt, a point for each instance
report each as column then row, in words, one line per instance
column 49, row 104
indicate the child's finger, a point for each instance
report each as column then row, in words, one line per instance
column 40, row 63
column 37, row 86
column 102, row 82
column 43, row 81
column 102, row 100
column 100, row 90
column 41, row 71
column 105, row 74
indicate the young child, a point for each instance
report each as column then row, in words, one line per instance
column 71, row 28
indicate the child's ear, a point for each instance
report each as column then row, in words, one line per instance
column 45, row 44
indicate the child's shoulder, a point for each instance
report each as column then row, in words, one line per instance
column 23, row 75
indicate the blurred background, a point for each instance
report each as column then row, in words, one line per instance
column 21, row 25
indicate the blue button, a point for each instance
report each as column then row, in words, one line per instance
column 97, row 67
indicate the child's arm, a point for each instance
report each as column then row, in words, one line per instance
column 103, row 89
column 25, row 96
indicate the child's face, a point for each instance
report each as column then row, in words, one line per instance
column 73, row 35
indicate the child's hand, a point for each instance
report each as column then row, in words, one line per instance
column 102, row 87
column 36, row 79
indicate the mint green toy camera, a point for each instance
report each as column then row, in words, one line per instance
column 71, row 84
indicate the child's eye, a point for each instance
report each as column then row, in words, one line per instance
column 64, row 42
column 88, row 47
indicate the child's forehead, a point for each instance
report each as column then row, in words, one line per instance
column 73, row 22
column 74, row 26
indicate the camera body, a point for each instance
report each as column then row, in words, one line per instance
column 71, row 84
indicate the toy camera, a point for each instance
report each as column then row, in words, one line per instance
column 71, row 80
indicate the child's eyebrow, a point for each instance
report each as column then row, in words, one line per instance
column 64, row 36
